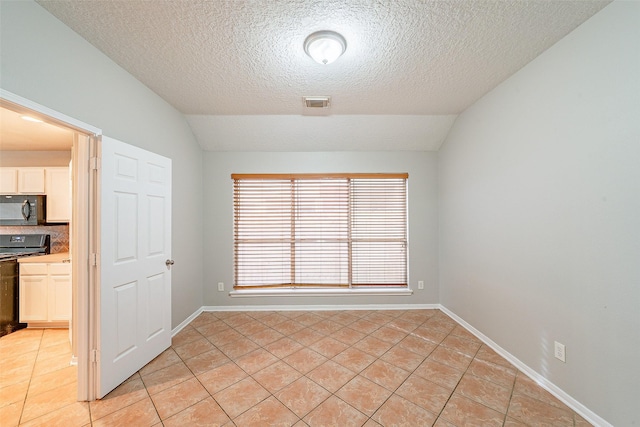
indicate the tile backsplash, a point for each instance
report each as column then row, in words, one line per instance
column 59, row 234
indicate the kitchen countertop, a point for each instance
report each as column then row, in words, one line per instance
column 51, row 258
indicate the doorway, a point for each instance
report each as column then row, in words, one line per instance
column 120, row 236
column 80, row 232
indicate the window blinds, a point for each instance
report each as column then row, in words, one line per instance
column 314, row 230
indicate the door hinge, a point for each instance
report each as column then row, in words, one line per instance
column 94, row 260
column 94, row 356
column 94, row 163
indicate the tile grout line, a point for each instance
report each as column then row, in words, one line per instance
column 33, row 368
column 513, row 389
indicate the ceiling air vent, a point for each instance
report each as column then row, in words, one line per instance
column 317, row 101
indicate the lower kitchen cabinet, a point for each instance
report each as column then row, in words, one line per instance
column 45, row 294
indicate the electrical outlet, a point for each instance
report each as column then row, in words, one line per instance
column 420, row 284
column 559, row 351
column 221, row 286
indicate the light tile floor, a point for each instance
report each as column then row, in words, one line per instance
column 288, row 368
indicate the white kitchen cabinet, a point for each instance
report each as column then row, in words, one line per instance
column 31, row 181
column 33, row 298
column 22, row 180
column 45, row 294
column 8, row 180
column 58, row 190
column 59, row 297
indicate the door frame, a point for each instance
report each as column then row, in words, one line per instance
column 84, row 235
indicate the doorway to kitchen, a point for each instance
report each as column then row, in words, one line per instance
column 73, row 234
column 120, row 240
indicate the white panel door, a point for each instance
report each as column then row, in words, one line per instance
column 135, row 243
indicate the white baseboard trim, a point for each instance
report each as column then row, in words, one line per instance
column 321, row 307
column 186, row 321
column 572, row 403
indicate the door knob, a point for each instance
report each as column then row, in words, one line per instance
column 169, row 263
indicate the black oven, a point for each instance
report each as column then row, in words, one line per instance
column 9, row 297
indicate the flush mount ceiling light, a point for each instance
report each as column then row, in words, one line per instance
column 31, row 119
column 325, row 46
column 317, row 101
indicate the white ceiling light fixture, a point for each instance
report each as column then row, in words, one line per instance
column 317, row 101
column 325, row 46
column 31, row 119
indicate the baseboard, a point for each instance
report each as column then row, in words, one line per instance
column 186, row 321
column 332, row 307
column 572, row 403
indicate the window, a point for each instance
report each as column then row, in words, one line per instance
column 320, row 231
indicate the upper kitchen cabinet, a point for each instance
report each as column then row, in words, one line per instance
column 31, row 181
column 8, row 180
column 22, row 180
column 54, row 182
column 58, row 190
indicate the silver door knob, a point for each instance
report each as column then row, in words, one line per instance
column 169, row 263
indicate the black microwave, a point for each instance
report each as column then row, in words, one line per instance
column 21, row 209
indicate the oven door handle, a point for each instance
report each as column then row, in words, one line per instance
column 26, row 210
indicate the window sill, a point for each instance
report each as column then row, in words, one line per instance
column 301, row 292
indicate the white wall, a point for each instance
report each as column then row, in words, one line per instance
column 218, row 195
column 540, row 214
column 46, row 62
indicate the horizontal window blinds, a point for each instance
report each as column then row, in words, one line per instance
column 311, row 230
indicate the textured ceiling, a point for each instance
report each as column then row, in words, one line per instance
column 226, row 57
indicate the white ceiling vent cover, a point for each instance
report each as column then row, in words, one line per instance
column 317, row 101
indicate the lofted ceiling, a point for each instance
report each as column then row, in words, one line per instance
column 238, row 71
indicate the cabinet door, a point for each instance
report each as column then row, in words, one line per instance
column 8, row 180
column 31, row 180
column 59, row 298
column 58, row 194
column 33, row 299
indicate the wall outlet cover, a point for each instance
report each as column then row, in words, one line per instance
column 559, row 351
